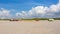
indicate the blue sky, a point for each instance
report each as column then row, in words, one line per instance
column 16, row 6
column 25, row 4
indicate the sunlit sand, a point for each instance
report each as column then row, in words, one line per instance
column 30, row 27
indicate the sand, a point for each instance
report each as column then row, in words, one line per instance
column 30, row 27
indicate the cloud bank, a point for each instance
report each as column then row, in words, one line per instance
column 4, row 13
column 36, row 12
column 41, row 12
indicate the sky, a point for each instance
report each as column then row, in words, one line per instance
column 29, row 8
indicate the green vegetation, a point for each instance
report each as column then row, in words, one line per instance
column 42, row 19
column 4, row 19
column 56, row 18
column 35, row 19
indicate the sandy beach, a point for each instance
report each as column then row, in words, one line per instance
column 30, row 27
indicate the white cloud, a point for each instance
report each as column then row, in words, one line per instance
column 4, row 13
column 53, row 8
column 38, row 11
column 41, row 11
column 23, row 14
